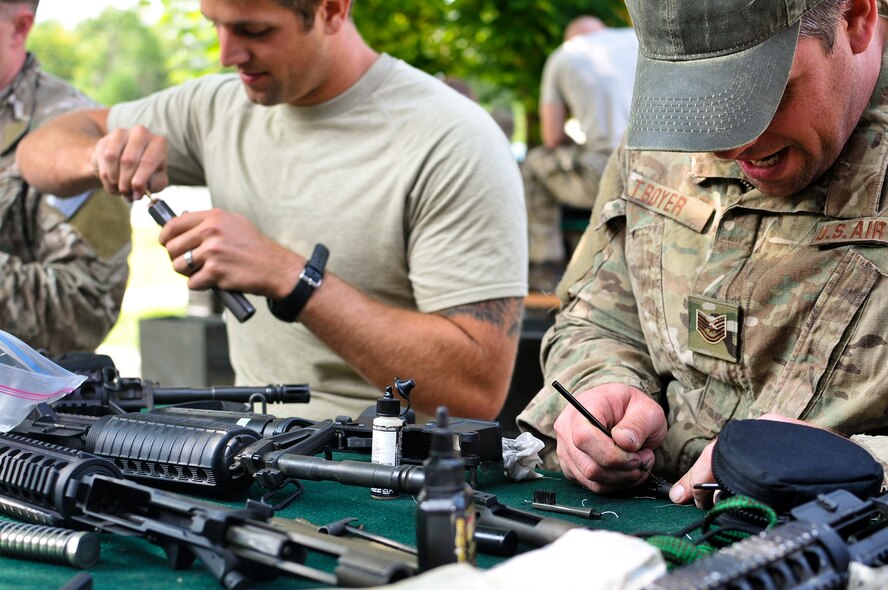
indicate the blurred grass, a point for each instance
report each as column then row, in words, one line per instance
column 154, row 288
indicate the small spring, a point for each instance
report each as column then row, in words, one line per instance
column 48, row 544
column 21, row 511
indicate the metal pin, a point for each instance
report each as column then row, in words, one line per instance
column 545, row 500
column 49, row 544
column 581, row 512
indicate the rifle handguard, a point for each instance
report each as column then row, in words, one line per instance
column 170, row 449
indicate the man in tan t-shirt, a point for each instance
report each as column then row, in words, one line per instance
column 588, row 79
column 321, row 140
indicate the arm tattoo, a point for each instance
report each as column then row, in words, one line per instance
column 505, row 312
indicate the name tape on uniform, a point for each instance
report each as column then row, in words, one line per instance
column 685, row 209
column 866, row 230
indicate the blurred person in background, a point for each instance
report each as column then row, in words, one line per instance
column 588, row 78
column 64, row 261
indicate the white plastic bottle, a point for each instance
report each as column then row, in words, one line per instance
column 388, row 429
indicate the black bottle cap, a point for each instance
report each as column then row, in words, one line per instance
column 388, row 405
column 442, row 436
column 445, row 468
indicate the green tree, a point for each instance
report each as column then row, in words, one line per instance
column 122, row 57
column 501, row 45
column 112, row 58
column 192, row 45
column 57, row 48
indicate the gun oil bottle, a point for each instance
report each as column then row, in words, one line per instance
column 445, row 511
column 388, row 428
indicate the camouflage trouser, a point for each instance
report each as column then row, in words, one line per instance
column 564, row 175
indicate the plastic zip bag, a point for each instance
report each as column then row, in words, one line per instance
column 28, row 378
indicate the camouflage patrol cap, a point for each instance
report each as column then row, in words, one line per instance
column 711, row 73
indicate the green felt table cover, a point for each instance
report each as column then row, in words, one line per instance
column 131, row 563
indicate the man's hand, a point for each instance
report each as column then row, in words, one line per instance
column 683, row 491
column 589, row 458
column 229, row 252
column 131, row 161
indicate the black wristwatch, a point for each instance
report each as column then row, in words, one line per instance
column 311, row 277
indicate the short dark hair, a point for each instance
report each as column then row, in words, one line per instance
column 822, row 22
column 8, row 8
column 305, row 9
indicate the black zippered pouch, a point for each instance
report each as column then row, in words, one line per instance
column 784, row 464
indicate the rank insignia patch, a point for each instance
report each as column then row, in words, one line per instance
column 713, row 327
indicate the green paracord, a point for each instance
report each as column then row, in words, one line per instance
column 680, row 550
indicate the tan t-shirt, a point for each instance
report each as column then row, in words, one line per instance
column 411, row 186
column 592, row 75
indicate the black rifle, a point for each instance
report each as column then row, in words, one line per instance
column 46, row 483
column 200, row 450
column 193, row 455
column 105, row 391
column 205, row 456
column 813, row 550
column 477, row 440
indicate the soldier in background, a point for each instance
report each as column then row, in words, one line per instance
column 736, row 265
column 588, row 78
column 63, row 261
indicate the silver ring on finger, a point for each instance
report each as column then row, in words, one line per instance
column 189, row 260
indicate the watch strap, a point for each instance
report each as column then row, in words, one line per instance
column 288, row 308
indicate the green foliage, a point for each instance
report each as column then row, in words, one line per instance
column 192, row 45
column 57, row 48
column 124, row 59
column 500, row 46
column 112, row 58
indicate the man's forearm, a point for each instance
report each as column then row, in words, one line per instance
column 552, row 120
column 597, row 338
column 462, row 358
column 586, row 356
column 57, row 157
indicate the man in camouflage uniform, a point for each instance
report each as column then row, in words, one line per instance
column 589, row 77
column 64, row 261
column 745, row 281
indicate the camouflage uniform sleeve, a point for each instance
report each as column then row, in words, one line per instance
column 877, row 446
column 596, row 338
column 64, row 284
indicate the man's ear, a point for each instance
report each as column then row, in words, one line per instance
column 861, row 20
column 22, row 23
column 334, row 14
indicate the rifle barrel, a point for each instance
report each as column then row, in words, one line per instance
column 289, row 394
column 404, row 478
